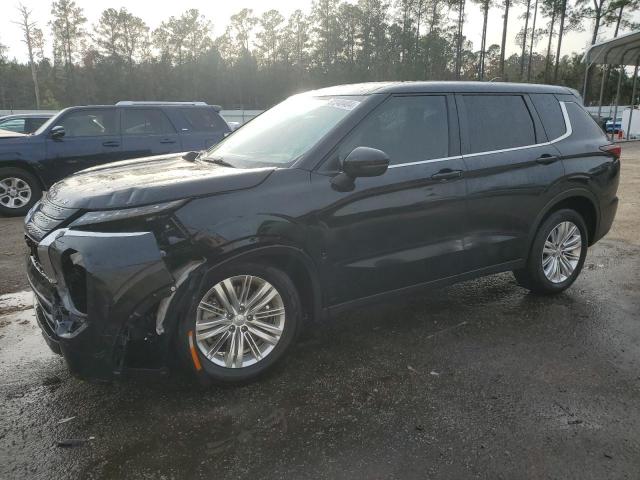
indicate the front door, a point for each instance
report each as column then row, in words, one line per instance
column 92, row 137
column 404, row 227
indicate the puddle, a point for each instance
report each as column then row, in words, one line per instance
column 20, row 339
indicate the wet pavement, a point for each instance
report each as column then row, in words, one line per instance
column 479, row 380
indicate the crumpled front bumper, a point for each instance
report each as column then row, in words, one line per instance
column 88, row 287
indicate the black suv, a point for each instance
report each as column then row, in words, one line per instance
column 331, row 199
column 82, row 137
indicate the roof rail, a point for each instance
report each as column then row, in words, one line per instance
column 134, row 102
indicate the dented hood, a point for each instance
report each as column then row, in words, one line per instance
column 150, row 180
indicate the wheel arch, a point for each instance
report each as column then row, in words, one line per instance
column 581, row 200
column 292, row 260
column 26, row 167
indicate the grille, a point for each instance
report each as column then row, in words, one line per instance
column 45, row 218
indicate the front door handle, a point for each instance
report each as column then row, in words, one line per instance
column 546, row 159
column 167, row 140
column 447, row 174
column 111, row 144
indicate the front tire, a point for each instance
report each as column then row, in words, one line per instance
column 557, row 255
column 242, row 322
column 19, row 190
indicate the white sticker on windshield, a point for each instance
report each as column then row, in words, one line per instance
column 343, row 103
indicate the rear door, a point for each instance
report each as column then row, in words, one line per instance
column 202, row 127
column 511, row 172
column 148, row 131
column 92, row 137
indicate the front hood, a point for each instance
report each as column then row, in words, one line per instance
column 150, row 180
column 10, row 134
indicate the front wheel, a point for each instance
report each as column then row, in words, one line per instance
column 557, row 254
column 19, row 190
column 242, row 322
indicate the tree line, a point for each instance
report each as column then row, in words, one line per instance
column 260, row 59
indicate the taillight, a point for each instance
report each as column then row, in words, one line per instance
column 614, row 150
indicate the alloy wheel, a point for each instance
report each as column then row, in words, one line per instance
column 239, row 321
column 561, row 252
column 14, row 192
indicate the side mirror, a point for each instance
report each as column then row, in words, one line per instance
column 57, row 132
column 361, row 162
column 365, row 162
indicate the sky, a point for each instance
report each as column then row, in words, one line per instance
column 153, row 12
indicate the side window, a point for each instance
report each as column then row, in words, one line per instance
column 582, row 125
column 34, row 123
column 90, row 123
column 495, row 122
column 548, row 108
column 203, row 120
column 408, row 129
column 13, row 125
column 145, row 121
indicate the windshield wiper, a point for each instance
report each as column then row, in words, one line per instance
column 219, row 161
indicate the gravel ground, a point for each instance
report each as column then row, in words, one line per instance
column 478, row 380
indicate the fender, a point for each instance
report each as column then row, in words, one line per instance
column 571, row 193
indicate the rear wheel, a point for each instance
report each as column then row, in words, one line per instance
column 244, row 320
column 557, row 255
column 19, row 190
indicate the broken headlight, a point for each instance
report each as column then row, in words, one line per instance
column 104, row 216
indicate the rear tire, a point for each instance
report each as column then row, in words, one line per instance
column 19, row 190
column 557, row 255
column 258, row 329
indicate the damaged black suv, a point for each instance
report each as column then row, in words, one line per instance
column 331, row 199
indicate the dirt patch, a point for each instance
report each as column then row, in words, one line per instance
column 627, row 223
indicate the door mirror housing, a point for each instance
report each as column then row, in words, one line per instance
column 365, row 162
column 57, row 132
column 361, row 162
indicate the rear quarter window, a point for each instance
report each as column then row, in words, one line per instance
column 548, row 108
column 582, row 125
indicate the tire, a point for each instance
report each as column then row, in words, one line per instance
column 194, row 344
column 19, row 190
column 546, row 279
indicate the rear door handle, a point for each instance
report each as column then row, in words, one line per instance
column 167, row 140
column 447, row 174
column 111, row 144
column 546, row 159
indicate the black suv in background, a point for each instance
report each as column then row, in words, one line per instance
column 83, row 137
column 329, row 200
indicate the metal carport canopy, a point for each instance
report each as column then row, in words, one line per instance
column 623, row 50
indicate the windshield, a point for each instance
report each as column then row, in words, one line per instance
column 46, row 124
column 285, row 132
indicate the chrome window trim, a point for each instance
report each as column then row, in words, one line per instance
column 420, row 162
column 566, row 134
